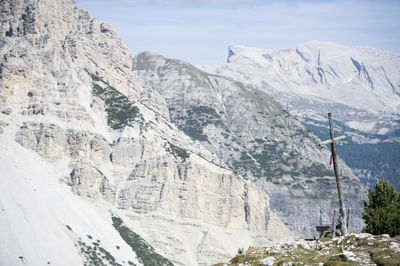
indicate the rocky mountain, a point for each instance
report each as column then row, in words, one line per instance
column 93, row 169
column 256, row 137
column 359, row 85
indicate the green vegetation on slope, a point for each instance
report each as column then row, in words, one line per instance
column 143, row 250
column 121, row 112
column 195, row 119
column 95, row 254
column 177, row 151
column 381, row 159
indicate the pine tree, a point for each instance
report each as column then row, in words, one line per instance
column 382, row 212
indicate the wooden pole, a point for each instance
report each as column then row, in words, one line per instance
column 342, row 217
column 348, row 219
column 334, row 223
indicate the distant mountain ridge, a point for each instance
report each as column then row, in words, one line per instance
column 359, row 85
column 362, row 77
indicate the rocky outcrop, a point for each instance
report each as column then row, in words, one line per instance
column 358, row 249
column 68, row 82
column 191, row 188
column 256, row 137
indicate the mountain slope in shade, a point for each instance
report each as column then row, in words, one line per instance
column 256, row 137
column 84, row 144
column 359, row 85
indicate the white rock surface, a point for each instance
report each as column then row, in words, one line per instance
column 268, row 261
column 37, row 210
column 329, row 71
column 147, row 171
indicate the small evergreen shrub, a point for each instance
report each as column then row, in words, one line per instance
column 177, row 151
column 382, row 212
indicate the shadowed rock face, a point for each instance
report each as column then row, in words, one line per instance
column 68, row 94
column 256, row 137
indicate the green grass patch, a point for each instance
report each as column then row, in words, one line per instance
column 364, row 249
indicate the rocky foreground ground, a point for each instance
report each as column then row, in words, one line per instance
column 353, row 249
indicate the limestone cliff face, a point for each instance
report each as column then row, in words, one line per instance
column 60, row 35
column 191, row 188
column 68, row 94
column 256, row 137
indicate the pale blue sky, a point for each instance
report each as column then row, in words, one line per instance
column 200, row 31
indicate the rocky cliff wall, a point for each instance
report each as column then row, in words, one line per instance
column 68, row 94
column 256, row 137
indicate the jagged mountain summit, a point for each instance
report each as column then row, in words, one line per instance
column 93, row 170
column 361, row 77
column 256, row 137
column 359, row 85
